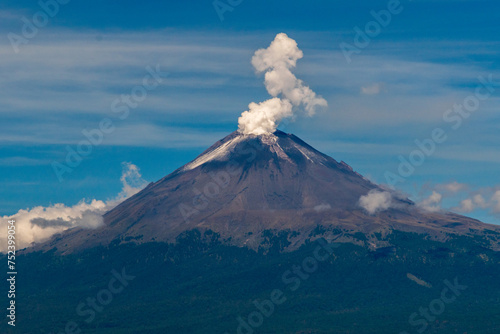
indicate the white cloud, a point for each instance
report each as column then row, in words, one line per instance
column 480, row 201
column 132, row 180
column 432, row 203
column 470, row 204
column 466, row 206
column 39, row 223
column 376, row 201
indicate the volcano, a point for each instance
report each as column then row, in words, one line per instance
column 245, row 185
column 206, row 246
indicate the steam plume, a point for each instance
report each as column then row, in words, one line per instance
column 277, row 61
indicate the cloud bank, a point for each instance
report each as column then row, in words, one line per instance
column 40, row 223
column 480, row 200
column 277, row 61
column 462, row 198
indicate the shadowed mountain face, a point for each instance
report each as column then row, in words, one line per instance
column 244, row 185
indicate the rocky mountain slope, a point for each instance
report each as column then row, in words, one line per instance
column 244, row 185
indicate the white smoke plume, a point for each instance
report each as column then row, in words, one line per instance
column 376, row 201
column 277, row 61
column 38, row 224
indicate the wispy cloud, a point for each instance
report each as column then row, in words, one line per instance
column 23, row 161
column 73, row 76
column 373, row 89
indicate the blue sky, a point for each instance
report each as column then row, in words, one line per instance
column 396, row 90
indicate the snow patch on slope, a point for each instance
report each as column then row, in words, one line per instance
column 217, row 154
column 272, row 141
column 311, row 156
column 223, row 151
